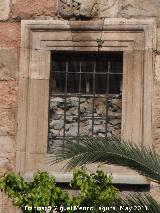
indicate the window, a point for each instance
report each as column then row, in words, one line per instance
column 85, row 95
column 41, row 38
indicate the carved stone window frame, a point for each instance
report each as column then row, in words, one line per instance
column 136, row 38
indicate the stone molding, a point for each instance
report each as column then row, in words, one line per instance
column 64, row 178
column 136, row 38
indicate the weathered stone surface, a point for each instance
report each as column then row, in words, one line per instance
column 108, row 8
column 9, row 35
column 155, row 191
column 143, row 8
column 27, row 9
column 57, row 124
column 7, row 162
column 79, row 117
column 7, row 144
column 156, row 144
column 43, row 9
column 4, row 9
column 78, row 8
column 156, row 106
column 157, row 68
column 8, row 64
column 88, row 9
column 158, row 41
column 6, row 204
column 157, row 118
column 7, row 121
column 156, row 115
column 8, row 94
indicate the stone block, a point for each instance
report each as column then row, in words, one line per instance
column 156, row 105
column 9, row 35
column 6, row 204
column 26, row 9
column 7, row 122
column 83, row 8
column 108, row 8
column 157, row 68
column 158, row 43
column 157, row 118
column 4, row 9
column 156, row 144
column 7, row 144
column 8, row 64
column 140, row 8
column 87, row 25
column 155, row 191
column 8, row 94
column 156, row 95
column 7, row 162
column 86, row 36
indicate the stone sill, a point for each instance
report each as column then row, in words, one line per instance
column 65, row 178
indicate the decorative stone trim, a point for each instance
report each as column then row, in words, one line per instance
column 116, row 179
column 137, row 40
column 78, row 8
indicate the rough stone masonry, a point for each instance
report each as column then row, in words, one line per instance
column 12, row 12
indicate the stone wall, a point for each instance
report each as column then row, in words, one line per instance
column 11, row 14
column 97, row 117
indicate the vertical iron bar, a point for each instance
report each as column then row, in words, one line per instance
column 66, row 85
column 107, row 93
column 94, row 71
column 79, row 100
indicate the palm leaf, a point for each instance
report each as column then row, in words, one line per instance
column 143, row 202
column 112, row 151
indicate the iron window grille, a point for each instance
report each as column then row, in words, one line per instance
column 85, row 95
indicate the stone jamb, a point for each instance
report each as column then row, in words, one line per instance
column 38, row 38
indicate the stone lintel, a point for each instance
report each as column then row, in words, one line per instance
column 117, row 179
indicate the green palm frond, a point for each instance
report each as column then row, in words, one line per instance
column 112, row 151
column 139, row 202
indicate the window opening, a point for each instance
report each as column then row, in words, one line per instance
column 85, row 95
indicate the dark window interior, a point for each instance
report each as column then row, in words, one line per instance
column 87, row 73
